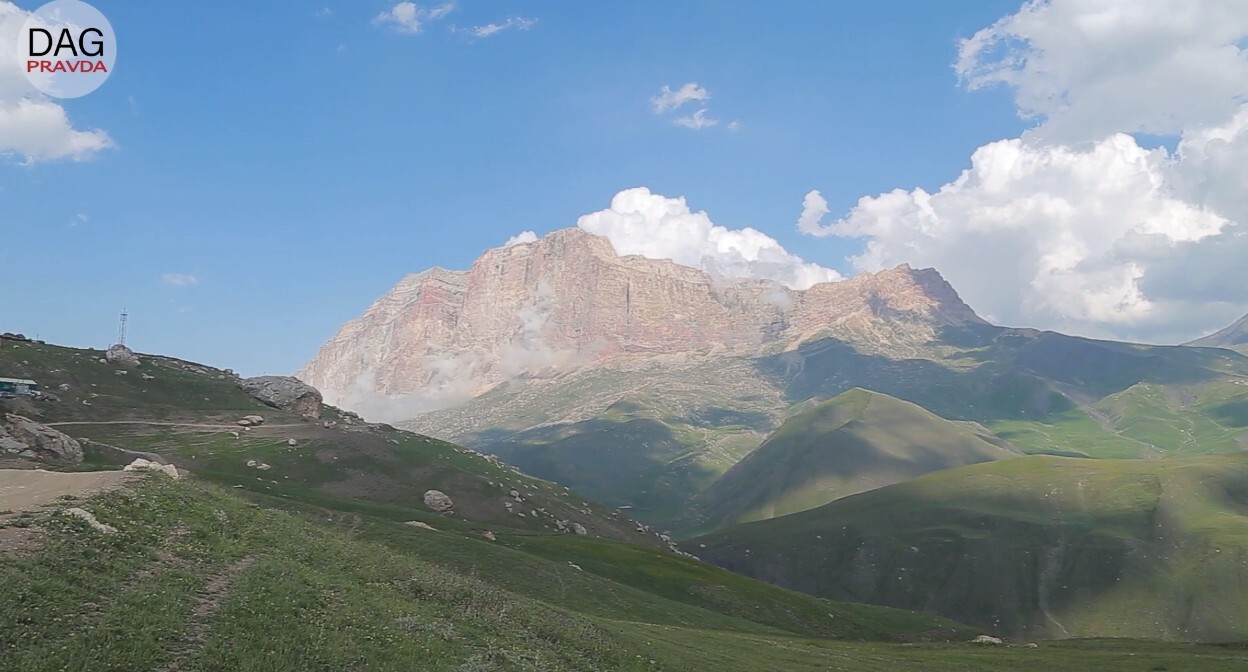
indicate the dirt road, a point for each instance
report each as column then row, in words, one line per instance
column 29, row 489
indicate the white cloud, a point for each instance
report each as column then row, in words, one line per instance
column 668, row 100
column 492, row 29
column 522, row 237
column 40, row 130
column 735, row 126
column 32, row 127
column 654, row 226
column 698, row 121
column 409, row 17
column 179, row 279
column 1089, row 68
column 323, row 13
column 1076, row 226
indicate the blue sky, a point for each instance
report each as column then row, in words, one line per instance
column 297, row 158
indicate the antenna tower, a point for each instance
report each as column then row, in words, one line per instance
column 121, row 328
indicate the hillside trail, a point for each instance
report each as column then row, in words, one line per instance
column 29, row 489
column 168, row 424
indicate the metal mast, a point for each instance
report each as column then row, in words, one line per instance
column 121, row 328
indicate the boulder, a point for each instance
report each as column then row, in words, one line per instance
column 121, row 356
column 423, row 526
column 141, row 464
column 438, row 501
column 286, row 393
column 489, row 535
column 18, row 433
column 251, row 421
column 579, row 529
column 987, row 639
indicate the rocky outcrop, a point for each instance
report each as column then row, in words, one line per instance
column 438, row 501
column 286, row 393
column 25, row 437
column 569, row 301
column 121, row 356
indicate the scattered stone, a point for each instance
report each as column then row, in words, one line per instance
column 64, row 387
column 122, row 372
column 286, row 393
column 21, row 434
column 579, row 529
column 987, row 639
column 143, row 464
column 257, row 464
column 1031, row 645
column 423, row 526
column 489, row 535
column 291, row 442
column 89, row 518
column 121, row 356
column 251, row 421
column 147, row 377
column 330, row 424
column 575, row 566
column 438, row 501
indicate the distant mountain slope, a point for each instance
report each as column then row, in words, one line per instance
column 857, row 441
column 1031, row 547
column 1234, row 336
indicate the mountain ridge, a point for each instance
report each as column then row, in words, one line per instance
column 568, row 301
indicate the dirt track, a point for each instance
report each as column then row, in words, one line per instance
column 169, row 424
column 29, row 489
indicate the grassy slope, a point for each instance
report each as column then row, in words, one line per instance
column 371, row 467
column 655, row 439
column 1047, row 392
column 197, row 578
column 857, row 441
column 1036, row 546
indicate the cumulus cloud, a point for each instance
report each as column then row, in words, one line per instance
column 658, row 227
column 409, row 17
column 1089, row 68
column 668, row 100
column 697, row 121
column 179, row 279
column 522, row 237
column 492, row 29
column 32, row 127
column 1076, row 225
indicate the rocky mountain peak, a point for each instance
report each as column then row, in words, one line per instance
column 568, row 301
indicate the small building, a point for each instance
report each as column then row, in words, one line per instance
column 18, row 386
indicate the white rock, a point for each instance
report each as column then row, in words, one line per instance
column 987, row 639
column 142, row 464
column 87, row 516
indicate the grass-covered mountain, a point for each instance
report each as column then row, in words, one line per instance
column 1234, row 337
column 857, row 441
column 658, row 439
column 314, row 563
column 1030, row 547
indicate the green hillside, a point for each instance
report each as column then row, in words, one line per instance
column 199, row 578
column 857, row 441
column 1031, row 547
column 658, row 440
column 187, row 414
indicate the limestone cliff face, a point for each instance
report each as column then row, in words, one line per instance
column 569, row 301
